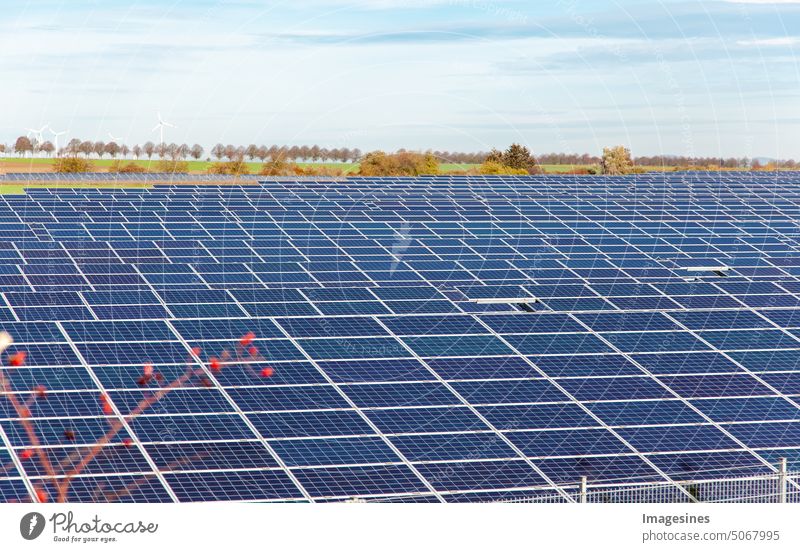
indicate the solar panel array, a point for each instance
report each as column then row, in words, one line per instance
column 433, row 339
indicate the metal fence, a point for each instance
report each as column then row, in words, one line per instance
column 780, row 486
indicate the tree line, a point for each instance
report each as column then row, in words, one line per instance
column 24, row 146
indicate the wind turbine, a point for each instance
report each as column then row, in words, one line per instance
column 160, row 127
column 37, row 134
column 56, row 135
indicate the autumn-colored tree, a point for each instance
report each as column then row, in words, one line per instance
column 515, row 157
column 402, row 163
column 118, row 166
column 23, row 145
column 236, row 167
column 172, row 166
column 493, row 167
column 47, row 148
column 616, row 161
column 72, row 164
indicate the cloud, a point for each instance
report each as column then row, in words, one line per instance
column 777, row 41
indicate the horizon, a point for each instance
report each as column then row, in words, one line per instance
column 697, row 79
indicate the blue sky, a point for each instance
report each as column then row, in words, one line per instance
column 689, row 78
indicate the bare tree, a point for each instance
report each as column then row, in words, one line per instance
column 87, row 148
column 197, row 152
column 112, row 149
column 218, row 151
column 252, row 151
column 183, row 151
column 149, row 149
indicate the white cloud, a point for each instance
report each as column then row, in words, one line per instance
column 778, row 41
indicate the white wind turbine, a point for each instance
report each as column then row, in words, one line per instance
column 38, row 138
column 160, row 127
column 56, row 135
column 37, row 134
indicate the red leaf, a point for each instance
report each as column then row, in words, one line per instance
column 41, row 495
column 41, row 391
column 247, row 339
column 253, row 351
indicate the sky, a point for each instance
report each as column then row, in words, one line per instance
column 711, row 78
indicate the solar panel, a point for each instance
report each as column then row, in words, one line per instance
column 431, row 339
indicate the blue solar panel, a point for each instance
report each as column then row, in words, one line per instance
column 445, row 339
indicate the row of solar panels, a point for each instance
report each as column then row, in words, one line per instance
column 397, row 375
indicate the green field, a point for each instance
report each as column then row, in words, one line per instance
column 38, row 164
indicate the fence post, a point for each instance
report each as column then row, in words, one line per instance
column 583, row 490
column 782, row 480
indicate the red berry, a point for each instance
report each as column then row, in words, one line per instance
column 215, row 365
column 17, row 359
column 253, row 351
column 127, row 441
column 267, row 372
column 247, row 339
column 41, row 495
column 196, row 351
column 26, row 454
